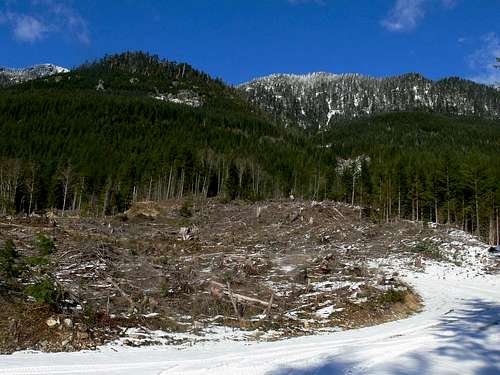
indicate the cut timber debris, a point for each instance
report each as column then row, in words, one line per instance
column 233, row 302
column 124, row 295
column 239, row 297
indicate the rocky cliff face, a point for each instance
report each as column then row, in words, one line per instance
column 318, row 100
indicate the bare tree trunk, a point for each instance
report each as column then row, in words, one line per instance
column 436, row 210
column 31, row 190
column 169, row 186
column 106, row 198
column 241, row 167
column 10, row 173
column 294, row 182
column 82, row 189
column 197, row 185
column 498, row 230
column 492, row 234
column 64, row 197
column 73, row 206
column 257, row 184
column 219, row 179
column 31, row 199
column 353, row 185
column 158, row 189
column 66, row 175
column 150, row 185
column 417, row 206
column 80, row 203
column 360, row 199
column 181, row 185
column 478, row 229
column 164, row 187
column 389, row 203
column 448, row 221
column 464, row 227
column 316, row 186
column 204, row 189
column 399, row 203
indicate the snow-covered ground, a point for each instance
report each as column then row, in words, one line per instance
column 457, row 333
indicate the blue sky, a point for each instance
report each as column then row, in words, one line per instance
column 238, row 40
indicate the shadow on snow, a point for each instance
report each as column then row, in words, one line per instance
column 471, row 334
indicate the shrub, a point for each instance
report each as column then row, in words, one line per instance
column 428, row 249
column 8, row 256
column 44, row 244
column 185, row 210
column 43, row 292
column 90, row 314
column 36, row 261
column 393, row 296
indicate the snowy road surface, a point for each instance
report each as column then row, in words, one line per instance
column 457, row 333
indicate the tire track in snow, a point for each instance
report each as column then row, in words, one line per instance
column 425, row 339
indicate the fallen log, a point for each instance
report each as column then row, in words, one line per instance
column 239, row 297
column 337, row 211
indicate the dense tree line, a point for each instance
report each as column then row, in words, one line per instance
column 101, row 152
column 422, row 167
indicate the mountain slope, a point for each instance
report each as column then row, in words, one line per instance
column 144, row 75
column 10, row 77
column 124, row 128
column 106, row 123
column 318, row 100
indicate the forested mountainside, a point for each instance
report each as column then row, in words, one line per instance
column 98, row 137
column 133, row 127
column 420, row 166
column 317, row 100
column 9, row 77
column 141, row 74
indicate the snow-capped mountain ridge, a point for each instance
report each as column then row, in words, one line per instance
column 320, row 99
column 307, row 77
column 12, row 76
